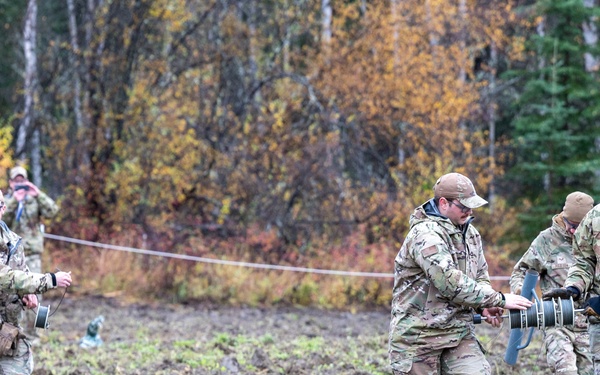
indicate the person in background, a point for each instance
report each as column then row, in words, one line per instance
column 18, row 289
column 583, row 278
column 550, row 254
column 440, row 280
column 26, row 208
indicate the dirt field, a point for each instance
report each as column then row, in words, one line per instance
column 175, row 339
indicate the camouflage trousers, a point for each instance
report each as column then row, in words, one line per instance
column 467, row 358
column 567, row 352
column 19, row 364
column 34, row 263
column 594, row 331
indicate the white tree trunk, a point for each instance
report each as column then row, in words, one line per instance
column 30, row 85
column 541, row 30
column 286, row 45
column 590, row 35
column 326, row 32
column 491, row 109
column 36, row 158
column 89, row 32
column 396, row 24
column 74, row 60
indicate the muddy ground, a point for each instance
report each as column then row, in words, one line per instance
column 205, row 339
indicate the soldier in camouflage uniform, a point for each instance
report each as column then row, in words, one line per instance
column 25, row 209
column 550, row 254
column 18, row 289
column 441, row 279
column 583, row 278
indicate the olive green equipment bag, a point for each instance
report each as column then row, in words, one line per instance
column 9, row 336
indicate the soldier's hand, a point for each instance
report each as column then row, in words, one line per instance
column 493, row 316
column 513, row 301
column 63, row 279
column 563, row 293
column 19, row 195
column 30, row 301
column 33, row 190
column 592, row 307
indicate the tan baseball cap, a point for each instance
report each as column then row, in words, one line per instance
column 18, row 171
column 457, row 186
column 577, row 205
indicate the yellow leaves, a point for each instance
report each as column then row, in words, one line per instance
column 277, row 110
column 6, row 129
column 174, row 13
column 225, row 210
column 391, row 115
column 347, row 15
column 287, row 195
column 273, row 146
column 247, row 127
column 517, row 50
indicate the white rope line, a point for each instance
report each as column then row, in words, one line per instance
column 228, row 262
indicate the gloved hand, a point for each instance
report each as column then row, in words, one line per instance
column 592, row 307
column 8, row 339
column 563, row 293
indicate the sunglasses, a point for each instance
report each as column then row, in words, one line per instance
column 571, row 224
column 461, row 207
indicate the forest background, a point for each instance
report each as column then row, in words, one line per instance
column 292, row 132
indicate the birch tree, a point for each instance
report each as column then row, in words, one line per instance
column 326, row 23
column 590, row 35
column 30, row 79
column 74, row 60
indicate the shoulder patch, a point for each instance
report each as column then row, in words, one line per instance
column 429, row 251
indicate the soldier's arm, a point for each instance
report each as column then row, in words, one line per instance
column 9, row 212
column 517, row 277
column 17, row 260
column 22, row 282
column 434, row 257
column 582, row 272
column 483, row 276
column 47, row 206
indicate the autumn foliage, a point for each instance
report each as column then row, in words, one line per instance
column 245, row 131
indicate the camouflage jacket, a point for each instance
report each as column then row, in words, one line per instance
column 550, row 254
column 15, row 278
column 586, row 249
column 440, row 277
column 28, row 226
